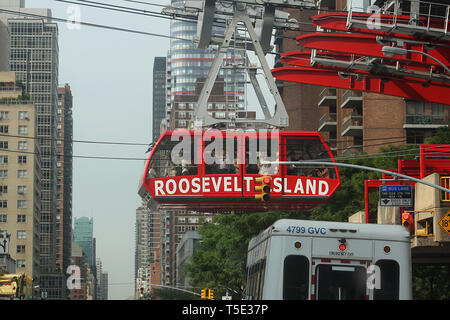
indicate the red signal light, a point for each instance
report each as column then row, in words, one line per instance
column 266, row 180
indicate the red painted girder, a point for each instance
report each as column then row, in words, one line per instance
column 338, row 21
column 367, row 45
column 395, row 87
column 300, row 58
column 303, row 62
column 293, row 57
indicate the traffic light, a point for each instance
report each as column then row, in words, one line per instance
column 408, row 221
column 262, row 188
column 203, row 293
column 207, row 295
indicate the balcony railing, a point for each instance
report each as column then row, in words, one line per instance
column 327, row 122
column 352, row 126
column 424, row 121
column 351, row 99
column 327, row 97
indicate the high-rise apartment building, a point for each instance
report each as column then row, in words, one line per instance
column 101, row 291
column 159, row 95
column 34, row 57
column 83, row 235
column 64, row 174
column 20, row 168
column 143, row 248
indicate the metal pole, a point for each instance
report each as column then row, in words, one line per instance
column 175, row 288
column 338, row 164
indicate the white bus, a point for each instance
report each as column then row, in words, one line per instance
column 317, row 260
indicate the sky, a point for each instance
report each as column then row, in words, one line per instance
column 111, row 75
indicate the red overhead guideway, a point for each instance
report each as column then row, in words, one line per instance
column 365, row 81
column 356, row 61
column 371, row 45
column 388, row 25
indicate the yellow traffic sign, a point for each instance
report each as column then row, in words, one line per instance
column 445, row 222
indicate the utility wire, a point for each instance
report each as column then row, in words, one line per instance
column 74, row 141
column 12, row 12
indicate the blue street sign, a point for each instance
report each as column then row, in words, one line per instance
column 399, row 196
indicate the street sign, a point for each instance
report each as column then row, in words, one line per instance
column 445, row 222
column 396, row 196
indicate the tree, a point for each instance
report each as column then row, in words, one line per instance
column 442, row 136
column 219, row 262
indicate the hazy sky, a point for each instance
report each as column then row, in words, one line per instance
column 110, row 74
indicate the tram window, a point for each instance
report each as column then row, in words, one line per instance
column 221, row 157
column 340, row 282
column 298, row 150
column 390, row 274
column 255, row 155
column 163, row 164
column 295, row 278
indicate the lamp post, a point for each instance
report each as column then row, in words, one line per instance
column 389, row 51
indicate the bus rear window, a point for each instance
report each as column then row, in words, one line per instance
column 295, row 278
column 340, row 282
column 389, row 286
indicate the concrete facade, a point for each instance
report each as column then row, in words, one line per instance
column 20, row 166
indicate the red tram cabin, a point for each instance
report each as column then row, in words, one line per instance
column 216, row 170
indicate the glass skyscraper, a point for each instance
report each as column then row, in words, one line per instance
column 189, row 67
column 83, row 235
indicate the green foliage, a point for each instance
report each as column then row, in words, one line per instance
column 219, row 261
column 431, row 282
column 442, row 136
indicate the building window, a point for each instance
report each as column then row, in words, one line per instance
column 3, row 129
column 22, row 189
column 23, row 145
column 415, row 137
column 23, row 129
column 21, row 218
column 3, row 203
column 3, row 189
column 23, row 115
column 21, row 248
column 3, row 159
column 220, row 115
column 21, row 174
column 22, row 159
column 21, row 234
column 4, row 115
column 3, row 218
column 3, row 173
column 3, row 144
column 20, row 264
column 21, row 204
